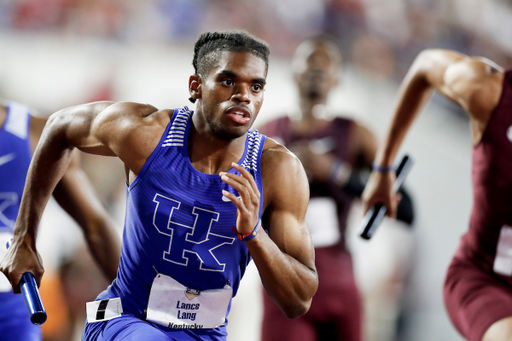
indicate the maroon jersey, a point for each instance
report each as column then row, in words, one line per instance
column 333, row 138
column 489, row 239
column 336, row 311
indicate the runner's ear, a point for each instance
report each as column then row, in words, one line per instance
column 194, row 87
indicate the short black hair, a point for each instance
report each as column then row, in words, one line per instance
column 209, row 46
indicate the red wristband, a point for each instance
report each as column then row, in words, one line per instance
column 248, row 236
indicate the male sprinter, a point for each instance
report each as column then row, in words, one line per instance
column 205, row 195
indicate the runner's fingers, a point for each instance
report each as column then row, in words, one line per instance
column 245, row 173
column 237, row 178
column 234, row 199
column 245, row 196
column 243, row 187
column 248, row 202
column 243, row 214
column 376, row 199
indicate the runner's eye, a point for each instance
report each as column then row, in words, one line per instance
column 257, row 87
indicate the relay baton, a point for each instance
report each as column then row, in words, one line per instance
column 376, row 213
column 32, row 298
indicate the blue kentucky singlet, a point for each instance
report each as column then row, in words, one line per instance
column 179, row 224
column 15, row 155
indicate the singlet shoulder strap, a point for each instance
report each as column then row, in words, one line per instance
column 254, row 146
column 17, row 121
column 177, row 131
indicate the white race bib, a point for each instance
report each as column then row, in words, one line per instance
column 5, row 285
column 503, row 259
column 176, row 306
column 322, row 220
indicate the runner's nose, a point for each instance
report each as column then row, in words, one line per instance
column 241, row 94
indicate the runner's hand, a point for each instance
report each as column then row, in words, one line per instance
column 248, row 205
column 21, row 258
column 379, row 190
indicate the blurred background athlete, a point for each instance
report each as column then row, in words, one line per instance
column 333, row 151
column 478, row 285
column 20, row 130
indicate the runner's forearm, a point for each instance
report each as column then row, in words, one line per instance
column 289, row 283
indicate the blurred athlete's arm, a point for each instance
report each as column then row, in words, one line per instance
column 285, row 257
column 76, row 195
column 473, row 83
column 364, row 146
column 127, row 130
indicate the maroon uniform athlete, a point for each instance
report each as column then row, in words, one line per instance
column 478, row 285
column 336, row 308
column 332, row 151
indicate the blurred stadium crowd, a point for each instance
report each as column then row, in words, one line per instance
column 382, row 36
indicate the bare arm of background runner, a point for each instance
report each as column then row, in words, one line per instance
column 76, row 195
column 473, row 83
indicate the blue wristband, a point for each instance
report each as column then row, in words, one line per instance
column 248, row 236
column 383, row 169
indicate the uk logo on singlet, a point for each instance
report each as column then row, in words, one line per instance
column 189, row 242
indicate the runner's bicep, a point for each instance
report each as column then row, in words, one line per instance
column 291, row 235
column 287, row 215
